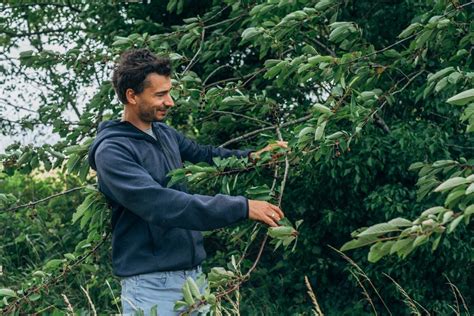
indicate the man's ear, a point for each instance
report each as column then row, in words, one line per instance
column 130, row 96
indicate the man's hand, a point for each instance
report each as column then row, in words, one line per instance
column 256, row 155
column 265, row 212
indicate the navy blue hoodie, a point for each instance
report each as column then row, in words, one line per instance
column 156, row 228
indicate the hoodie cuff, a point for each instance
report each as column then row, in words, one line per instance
column 248, row 210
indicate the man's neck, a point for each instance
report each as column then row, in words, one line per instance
column 134, row 120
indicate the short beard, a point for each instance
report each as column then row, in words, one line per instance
column 147, row 116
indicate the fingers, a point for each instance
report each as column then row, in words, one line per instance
column 277, row 210
column 265, row 212
column 278, row 143
column 271, row 221
column 272, row 215
column 282, row 144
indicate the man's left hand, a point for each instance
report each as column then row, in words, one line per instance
column 279, row 144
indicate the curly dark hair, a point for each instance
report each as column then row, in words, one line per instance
column 132, row 69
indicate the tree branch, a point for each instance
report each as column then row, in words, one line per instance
column 30, row 204
column 242, row 115
column 6, row 102
column 191, row 63
column 253, row 133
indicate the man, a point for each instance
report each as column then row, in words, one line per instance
column 157, row 240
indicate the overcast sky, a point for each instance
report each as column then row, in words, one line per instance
column 41, row 134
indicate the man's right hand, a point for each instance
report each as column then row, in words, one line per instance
column 265, row 212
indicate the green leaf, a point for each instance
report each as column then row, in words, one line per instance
column 451, row 183
column 359, row 242
column 469, row 210
column 433, row 210
column 54, row 263
column 306, row 130
column 34, row 297
column 323, row 4
column 462, row 98
column 400, row 222
column 322, row 109
column 83, row 207
column 416, row 166
column 315, row 60
column 8, row 292
column 409, row 30
column 447, row 217
column 400, row 245
column 392, row 53
column 280, row 231
column 339, row 33
column 470, row 189
column 335, row 135
column 379, row 250
column 379, row 229
column 179, row 305
column 452, row 226
column 454, row 77
column 250, row 33
column 443, row 163
column 318, row 134
column 235, row 100
column 441, row 84
column 436, row 243
column 453, row 196
column 121, row 41
column 440, row 74
column 419, row 240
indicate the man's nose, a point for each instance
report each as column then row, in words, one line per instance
column 169, row 101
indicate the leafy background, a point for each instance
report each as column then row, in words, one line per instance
column 359, row 90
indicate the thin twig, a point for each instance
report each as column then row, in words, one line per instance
column 5, row 102
column 224, row 21
column 312, row 295
column 234, row 78
column 214, row 71
column 253, row 133
column 242, row 115
column 94, row 312
column 217, row 14
column 197, row 53
column 364, row 290
column 26, row 293
column 285, row 174
column 113, row 296
column 362, row 273
column 455, row 290
column 68, row 304
column 408, row 300
column 30, row 204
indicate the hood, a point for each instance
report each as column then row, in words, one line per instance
column 114, row 128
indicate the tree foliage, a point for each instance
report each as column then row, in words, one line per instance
column 366, row 93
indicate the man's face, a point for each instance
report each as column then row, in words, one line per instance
column 155, row 100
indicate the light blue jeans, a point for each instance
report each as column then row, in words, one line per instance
column 140, row 293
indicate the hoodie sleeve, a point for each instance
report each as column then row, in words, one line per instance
column 194, row 152
column 125, row 181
